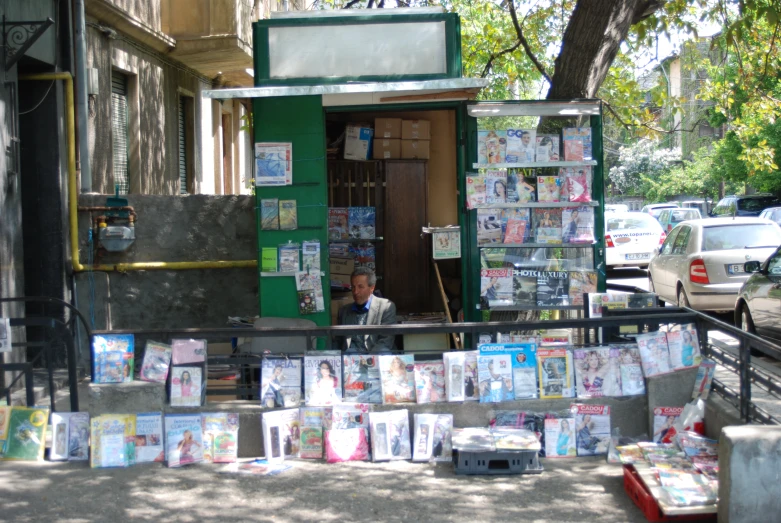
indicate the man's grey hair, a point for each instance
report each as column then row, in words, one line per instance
column 371, row 278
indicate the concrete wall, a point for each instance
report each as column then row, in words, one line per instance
column 146, row 11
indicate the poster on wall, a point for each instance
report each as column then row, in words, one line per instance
column 273, row 164
column 446, row 244
column 5, row 335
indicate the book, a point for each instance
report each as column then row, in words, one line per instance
column 311, row 281
column 702, row 382
column 423, row 441
column 560, row 437
column 288, row 215
column 281, row 434
column 491, row 146
column 273, row 163
column 390, row 435
column 323, row 379
column 269, row 214
column 523, row 367
column 554, row 373
column 547, row 225
column 60, row 427
column 664, row 418
column 577, row 144
column 307, row 302
column 149, row 437
column 524, row 287
column 280, row 382
column 157, row 360
column 548, row 188
column 310, row 256
column 220, row 436
column 183, row 439
column 578, row 183
column 495, row 377
column 269, row 259
column 346, row 445
column 496, row 186
column 441, row 444
column 521, row 145
column 338, row 223
column 454, row 375
column 473, row 439
column 547, row 148
column 552, row 288
column 580, row 283
column 632, row 382
column 397, row 378
column 313, row 421
column 496, row 287
column 475, row 191
column 430, row 381
column 78, row 435
column 289, row 258
column 113, row 358
column 489, row 226
column 684, row 346
column 361, row 221
column 654, row 354
column 592, row 428
column 186, row 384
column 578, row 225
column 108, row 444
column 597, row 372
column 362, row 379
column 184, row 351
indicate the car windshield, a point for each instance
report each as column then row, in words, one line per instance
column 631, row 221
column 756, row 204
column 740, row 236
column 686, row 214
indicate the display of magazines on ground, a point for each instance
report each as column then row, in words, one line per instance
column 281, row 434
column 430, row 382
column 23, row 432
column 560, row 437
column 397, row 378
column 323, row 378
column 346, row 445
column 184, row 439
column 598, row 372
column 220, row 437
column 149, row 437
column 280, row 382
column 522, row 383
column 109, row 435
column 362, row 379
column 390, row 435
column 592, row 428
column 186, row 386
column 461, row 376
column 254, row 467
column 555, row 373
column 70, row 435
column 432, row 440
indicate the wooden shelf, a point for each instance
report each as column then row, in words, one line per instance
column 527, row 165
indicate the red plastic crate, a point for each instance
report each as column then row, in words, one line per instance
column 638, row 492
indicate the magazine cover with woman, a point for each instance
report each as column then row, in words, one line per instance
column 397, row 375
column 654, row 353
column 430, row 382
column 496, row 186
column 496, row 378
column 560, row 438
column 597, row 372
column 280, row 382
column 592, row 428
column 664, row 419
column 186, row 385
column 684, row 347
column 323, row 379
column 184, row 439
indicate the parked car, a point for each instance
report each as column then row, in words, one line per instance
column 669, row 218
column 701, row 263
column 631, row 239
column 758, row 307
column 704, row 206
column 616, row 207
column 747, row 205
column 772, row 214
column 654, row 209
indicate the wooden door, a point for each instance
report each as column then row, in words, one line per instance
column 406, row 275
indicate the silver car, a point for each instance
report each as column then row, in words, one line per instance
column 701, row 263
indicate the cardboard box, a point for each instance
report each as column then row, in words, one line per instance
column 344, row 266
column 387, row 127
column 338, row 300
column 216, row 385
column 358, row 142
column 415, row 130
column 415, row 149
column 387, row 148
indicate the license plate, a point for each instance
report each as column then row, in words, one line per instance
column 736, row 268
column 637, row 256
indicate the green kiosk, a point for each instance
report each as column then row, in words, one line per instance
column 364, row 116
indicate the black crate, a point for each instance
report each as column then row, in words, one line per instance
column 497, row 462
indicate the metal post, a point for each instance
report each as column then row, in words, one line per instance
column 745, row 379
column 81, row 96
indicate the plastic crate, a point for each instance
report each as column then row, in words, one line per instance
column 497, row 462
column 638, row 492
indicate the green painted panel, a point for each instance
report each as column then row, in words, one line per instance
column 598, row 193
column 299, row 120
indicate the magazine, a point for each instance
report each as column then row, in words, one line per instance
column 597, row 372
column 473, row 439
column 578, row 182
column 489, row 226
column 346, row 445
column 471, row 388
column 186, row 383
column 269, row 214
column 521, row 145
column 577, row 144
column 113, row 358
column 475, row 191
column 273, row 163
column 592, row 428
column 496, row 186
column 323, row 378
column 397, row 375
column 552, row 288
column 491, row 147
column 441, row 444
column 280, row 382
column 704, row 378
column 446, row 244
column 654, row 354
column 311, row 281
column 307, row 302
column 60, row 427
column 547, row 225
column 78, row 434
column 390, row 435
column 684, row 346
column 560, row 437
column 554, row 373
column 364, row 255
column 108, row 445
column 518, row 190
column 523, row 363
column 362, row 379
column 350, row 415
column 454, row 375
column 157, row 360
column 220, row 437
column 599, row 301
column 183, row 439
column 547, row 148
column 185, row 351
column 361, row 221
column 5, row 341
column 423, row 442
column 664, row 418
column 149, row 437
column 254, row 467
column 310, row 256
column 516, row 225
column 496, row 287
column 288, row 215
column 548, row 188
column 578, row 225
column 337, row 223
column 313, row 422
column 632, row 382
column 515, row 439
column 281, row 434
column 496, row 378
column 289, row 258
column 525, row 287
column 580, row 283
column 430, row 382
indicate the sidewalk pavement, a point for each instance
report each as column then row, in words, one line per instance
column 579, row 489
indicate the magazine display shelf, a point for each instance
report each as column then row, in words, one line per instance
column 537, row 205
column 533, row 165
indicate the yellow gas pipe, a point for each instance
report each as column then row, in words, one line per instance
column 73, row 196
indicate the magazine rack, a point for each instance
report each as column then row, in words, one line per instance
column 532, row 257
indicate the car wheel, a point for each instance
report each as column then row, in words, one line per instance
column 652, row 288
column 746, row 323
column 683, row 300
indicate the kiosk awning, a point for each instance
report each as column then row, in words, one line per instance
column 372, row 93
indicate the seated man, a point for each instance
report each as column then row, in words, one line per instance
column 367, row 310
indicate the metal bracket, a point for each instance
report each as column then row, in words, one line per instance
column 18, row 37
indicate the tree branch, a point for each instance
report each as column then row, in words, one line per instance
column 524, row 43
column 629, row 126
column 494, row 56
column 351, row 3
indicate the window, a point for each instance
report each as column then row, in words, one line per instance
column 756, row 204
column 724, row 208
column 682, row 240
column 740, row 236
column 119, row 133
column 667, row 247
